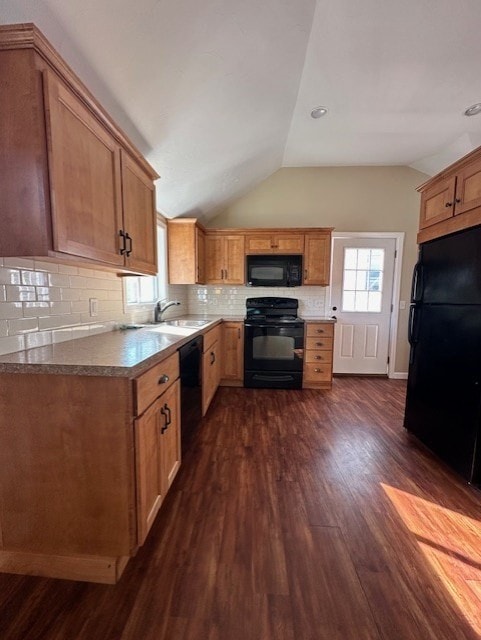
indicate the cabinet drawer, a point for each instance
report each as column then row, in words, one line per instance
column 319, row 343
column 324, row 329
column 324, row 344
column 210, row 337
column 318, row 355
column 155, row 381
column 317, row 372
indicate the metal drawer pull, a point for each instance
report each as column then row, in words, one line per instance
column 169, row 415
column 317, row 357
column 163, row 379
column 319, row 344
column 320, row 330
column 163, row 412
column 318, row 370
column 212, row 357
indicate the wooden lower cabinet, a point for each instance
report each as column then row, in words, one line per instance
column 232, row 369
column 211, row 366
column 318, row 355
column 81, row 477
column 157, row 456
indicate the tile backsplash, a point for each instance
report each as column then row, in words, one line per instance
column 230, row 300
column 44, row 303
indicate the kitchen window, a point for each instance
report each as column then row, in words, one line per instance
column 143, row 291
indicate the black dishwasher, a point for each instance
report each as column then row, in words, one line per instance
column 191, row 389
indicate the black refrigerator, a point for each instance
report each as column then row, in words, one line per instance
column 443, row 402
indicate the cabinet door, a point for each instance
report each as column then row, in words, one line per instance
column 437, row 202
column 170, row 451
column 138, row 200
column 234, row 270
column 317, row 258
column 85, row 183
column 200, row 256
column 210, row 375
column 232, row 351
column 468, row 188
column 148, row 467
column 258, row 243
column 214, row 262
column 285, row 244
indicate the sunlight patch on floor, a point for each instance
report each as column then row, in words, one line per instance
column 451, row 543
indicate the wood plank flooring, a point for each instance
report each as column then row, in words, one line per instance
column 297, row 515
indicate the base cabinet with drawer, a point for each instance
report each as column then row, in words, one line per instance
column 211, row 366
column 84, row 466
column 157, row 443
column 318, row 355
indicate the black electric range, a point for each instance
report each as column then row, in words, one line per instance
column 273, row 343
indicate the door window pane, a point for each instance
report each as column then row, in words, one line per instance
column 362, row 280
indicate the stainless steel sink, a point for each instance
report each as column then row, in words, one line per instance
column 185, row 323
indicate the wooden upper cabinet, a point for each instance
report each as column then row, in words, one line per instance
column 84, row 164
column 437, row 202
column 70, row 179
column 281, row 243
column 224, row 258
column 468, row 188
column 186, row 251
column 317, row 259
column 138, row 200
column 451, row 201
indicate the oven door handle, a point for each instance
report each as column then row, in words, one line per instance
column 297, row 325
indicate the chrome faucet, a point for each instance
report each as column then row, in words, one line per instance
column 159, row 309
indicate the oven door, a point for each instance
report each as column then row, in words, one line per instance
column 273, row 355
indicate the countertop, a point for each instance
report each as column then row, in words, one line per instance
column 327, row 319
column 120, row 353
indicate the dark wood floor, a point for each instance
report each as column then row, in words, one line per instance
column 297, row 515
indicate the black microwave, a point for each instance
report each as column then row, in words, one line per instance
column 274, row 271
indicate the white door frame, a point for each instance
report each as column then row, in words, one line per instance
column 396, row 285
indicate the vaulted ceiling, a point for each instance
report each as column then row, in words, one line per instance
column 218, row 93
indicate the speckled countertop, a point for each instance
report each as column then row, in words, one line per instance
column 118, row 353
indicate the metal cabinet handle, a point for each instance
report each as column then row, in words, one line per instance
column 123, row 248
column 129, row 250
column 163, row 379
column 239, row 333
column 317, row 357
column 169, row 414
column 163, row 412
column 212, row 357
column 225, row 272
column 457, row 200
column 320, row 330
column 448, row 204
column 305, row 274
column 319, row 344
column 318, row 370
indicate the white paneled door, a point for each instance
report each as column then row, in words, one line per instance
column 361, row 298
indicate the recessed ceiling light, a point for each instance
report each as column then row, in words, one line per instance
column 473, row 110
column 318, row 112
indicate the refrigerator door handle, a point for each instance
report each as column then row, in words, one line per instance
column 417, row 283
column 412, row 333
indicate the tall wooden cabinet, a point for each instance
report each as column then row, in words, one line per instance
column 73, row 186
